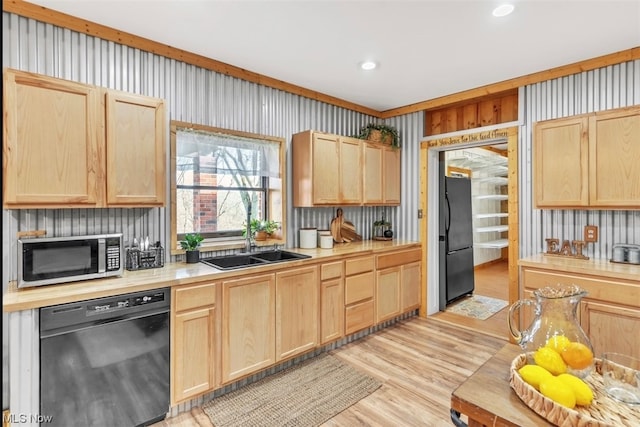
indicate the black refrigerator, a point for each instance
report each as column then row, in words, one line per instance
column 456, row 239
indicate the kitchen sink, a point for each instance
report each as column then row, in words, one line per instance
column 230, row 262
column 275, row 256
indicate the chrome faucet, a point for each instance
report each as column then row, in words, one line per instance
column 247, row 245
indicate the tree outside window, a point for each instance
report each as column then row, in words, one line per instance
column 218, row 174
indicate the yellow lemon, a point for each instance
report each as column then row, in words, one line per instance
column 556, row 390
column 550, row 360
column 577, row 355
column 584, row 395
column 533, row 374
column 558, row 343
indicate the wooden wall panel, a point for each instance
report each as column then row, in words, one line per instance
column 475, row 113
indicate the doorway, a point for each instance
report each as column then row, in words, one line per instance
column 483, row 170
column 497, row 275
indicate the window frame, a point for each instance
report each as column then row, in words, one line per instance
column 276, row 194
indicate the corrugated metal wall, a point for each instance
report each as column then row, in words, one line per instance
column 602, row 89
column 201, row 96
column 193, row 95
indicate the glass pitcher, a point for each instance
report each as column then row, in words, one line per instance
column 555, row 316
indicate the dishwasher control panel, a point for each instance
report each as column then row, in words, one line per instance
column 119, row 303
column 103, row 309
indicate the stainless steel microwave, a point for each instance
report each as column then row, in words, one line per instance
column 51, row 260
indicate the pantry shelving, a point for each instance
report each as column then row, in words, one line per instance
column 488, row 173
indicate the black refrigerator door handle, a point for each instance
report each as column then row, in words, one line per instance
column 447, row 221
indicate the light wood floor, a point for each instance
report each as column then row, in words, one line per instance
column 490, row 281
column 419, row 361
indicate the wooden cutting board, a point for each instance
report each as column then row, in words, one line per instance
column 343, row 231
column 348, row 231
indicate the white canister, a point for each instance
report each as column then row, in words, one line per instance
column 308, row 238
column 326, row 241
column 323, row 233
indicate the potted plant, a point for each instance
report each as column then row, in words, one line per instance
column 190, row 244
column 382, row 229
column 380, row 133
column 262, row 229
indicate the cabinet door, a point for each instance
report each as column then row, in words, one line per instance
column 135, row 150
column 561, row 160
column 410, row 287
column 248, row 325
column 611, row 327
column 193, row 356
column 53, row 138
column 326, row 169
column 297, row 296
column 614, row 156
column 373, row 180
column 350, row 171
column 391, row 175
column 331, row 310
column 387, row 293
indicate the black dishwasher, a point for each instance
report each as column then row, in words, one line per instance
column 105, row 362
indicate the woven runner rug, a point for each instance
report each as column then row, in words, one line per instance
column 477, row 307
column 306, row 394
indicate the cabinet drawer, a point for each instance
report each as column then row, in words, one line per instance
column 398, row 258
column 192, row 296
column 358, row 265
column 331, row 270
column 358, row 316
column 612, row 290
column 358, row 288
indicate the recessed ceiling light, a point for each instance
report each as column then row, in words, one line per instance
column 368, row 65
column 503, row 10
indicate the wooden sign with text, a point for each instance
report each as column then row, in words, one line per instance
column 569, row 250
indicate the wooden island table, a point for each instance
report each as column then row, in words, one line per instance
column 487, row 399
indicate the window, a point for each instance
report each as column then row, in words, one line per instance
column 217, row 175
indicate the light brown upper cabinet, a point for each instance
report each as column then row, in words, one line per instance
column 70, row 145
column 135, row 150
column 326, row 170
column 331, row 169
column 614, row 158
column 588, row 161
column 381, row 174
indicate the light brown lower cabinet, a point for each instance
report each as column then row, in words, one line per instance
column 397, row 283
column 387, row 293
column 331, row 302
column 410, row 286
column 359, row 290
column 193, row 328
column 297, row 308
column 609, row 314
column 230, row 329
column 611, row 327
column 248, row 325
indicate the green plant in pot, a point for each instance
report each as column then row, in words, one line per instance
column 382, row 229
column 380, row 133
column 191, row 245
column 261, row 229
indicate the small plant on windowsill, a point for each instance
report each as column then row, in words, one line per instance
column 262, row 229
column 191, row 245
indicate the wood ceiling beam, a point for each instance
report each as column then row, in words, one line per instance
column 43, row 14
